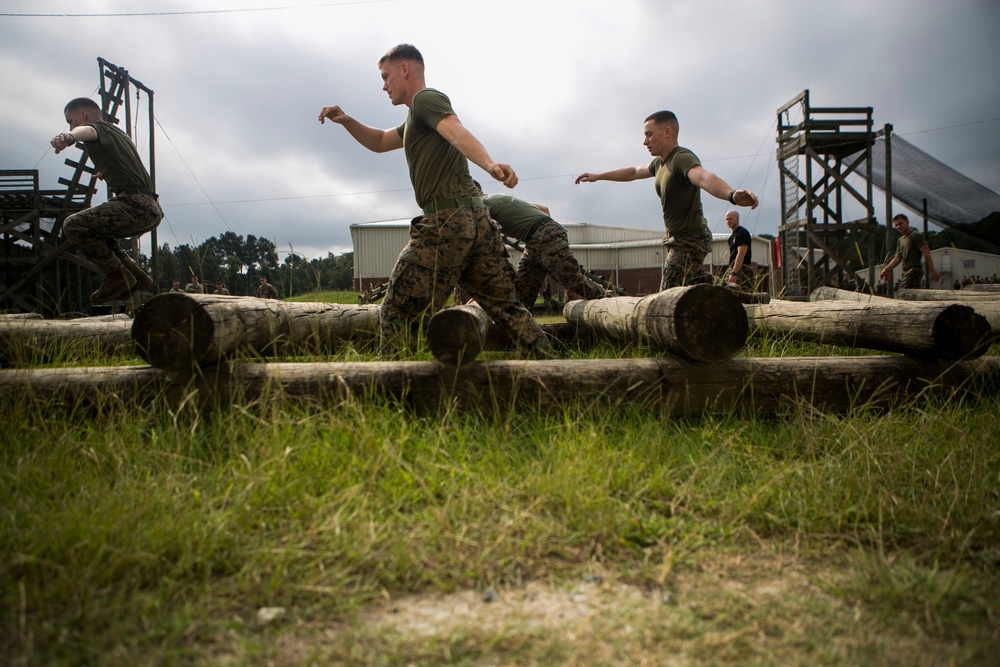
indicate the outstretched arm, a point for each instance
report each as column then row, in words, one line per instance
column 451, row 128
column 622, row 175
column 717, row 187
column 62, row 141
column 372, row 138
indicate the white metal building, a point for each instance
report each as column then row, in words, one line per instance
column 627, row 256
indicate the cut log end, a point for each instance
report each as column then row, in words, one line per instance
column 961, row 333
column 168, row 329
column 455, row 336
column 703, row 323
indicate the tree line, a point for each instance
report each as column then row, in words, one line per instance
column 240, row 263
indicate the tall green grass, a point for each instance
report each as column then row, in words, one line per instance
column 133, row 535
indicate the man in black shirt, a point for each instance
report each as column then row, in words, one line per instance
column 740, row 274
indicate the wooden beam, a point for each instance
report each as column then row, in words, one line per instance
column 672, row 387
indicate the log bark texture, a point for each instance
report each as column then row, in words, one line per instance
column 697, row 322
column 945, row 295
column 982, row 287
column 457, row 335
column 178, row 332
column 29, row 341
column 988, row 308
column 671, row 386
column 83, row 387
column 927, row 330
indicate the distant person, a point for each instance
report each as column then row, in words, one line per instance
column 453, row 242
column 546, row 248
column 910, row 247
column 266, row 290
column 680, row 178
column 132, row 209
column 176, row 287
column 220, row 288
column 194, row 287
column 740, row 253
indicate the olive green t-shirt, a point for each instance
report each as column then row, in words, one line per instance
column 437, row 169
column 116, row 159
column 679, row 197
column 908, row 248
column 515, row 216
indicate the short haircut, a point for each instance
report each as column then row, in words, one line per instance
column 402, row 52
column 661, row 117
column 900, row 216
column 83, row 103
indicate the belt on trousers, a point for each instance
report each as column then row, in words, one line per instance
column 534, row 228
column 452, row 202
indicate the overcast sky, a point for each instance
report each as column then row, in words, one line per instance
column 554, row 88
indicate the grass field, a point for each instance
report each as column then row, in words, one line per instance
column 297, row 533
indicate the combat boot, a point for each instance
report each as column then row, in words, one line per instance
column 142, row 279
column 114, row 285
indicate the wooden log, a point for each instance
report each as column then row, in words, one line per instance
column 990, row 309
column 834, row 294
column 926, row 330
column 82, row 386
column 945, row 295
column 750, row 297
column 28, row 342
column 457, row 335
column 697, row 322
column 673, row 387
column 20, row 316
column 178, row 332
column 982, row 287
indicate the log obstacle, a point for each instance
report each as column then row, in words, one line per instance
column 674, row 387
column 697, row 322
column 31, row 341
column 927, row 330
column 20, row 316
column 945, row 295
column 982, row 287
column 988, row 308
column 457, row 335
column 178, row 332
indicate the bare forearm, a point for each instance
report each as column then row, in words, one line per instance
column 372, row 138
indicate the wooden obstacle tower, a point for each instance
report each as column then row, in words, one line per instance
column 39, row 270
column 819, row 149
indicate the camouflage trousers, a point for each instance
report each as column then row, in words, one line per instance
column 454, row 246
column 746, row 280
column 547, row 253
column 913, row 278
column 684, row 260
column 95, row 231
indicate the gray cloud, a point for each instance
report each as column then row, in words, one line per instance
column 552, row 88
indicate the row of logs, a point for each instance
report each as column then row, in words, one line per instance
column 182, row 332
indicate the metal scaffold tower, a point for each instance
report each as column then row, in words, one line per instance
column 39, row 272
column 819, row 148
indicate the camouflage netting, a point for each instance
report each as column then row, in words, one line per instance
column 953, row 200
